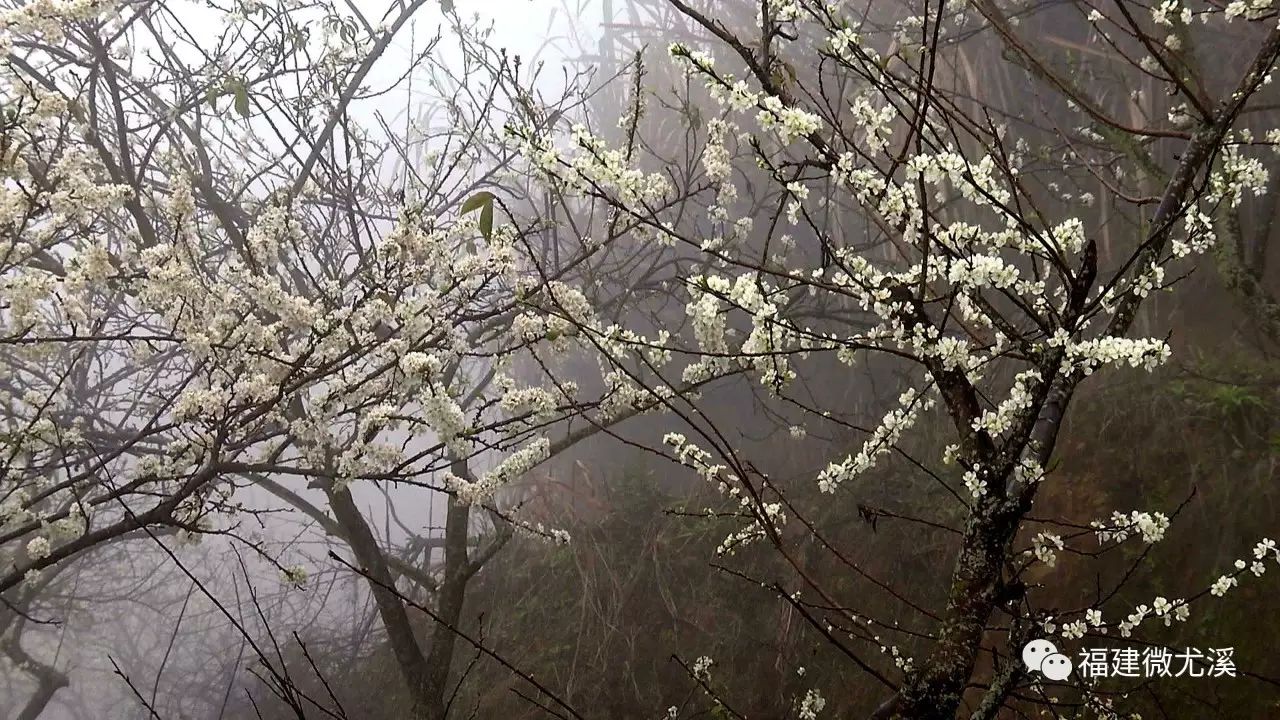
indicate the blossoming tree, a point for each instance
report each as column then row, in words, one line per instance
column 978, row 275
column 210, row 293
column 209, row 288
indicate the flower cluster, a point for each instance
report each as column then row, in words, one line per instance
column 1044, row 546
column 897, row 421
column 1151, row 526
column 789, row 123
column 511, row 467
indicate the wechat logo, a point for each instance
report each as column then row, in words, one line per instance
column 1043, row 657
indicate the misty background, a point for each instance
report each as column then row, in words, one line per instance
column 601, row 617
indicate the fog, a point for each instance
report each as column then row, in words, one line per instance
column 500, row 360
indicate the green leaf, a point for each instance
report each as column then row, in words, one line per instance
column 477, row 201
column 482, row 201
column 242, row 99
